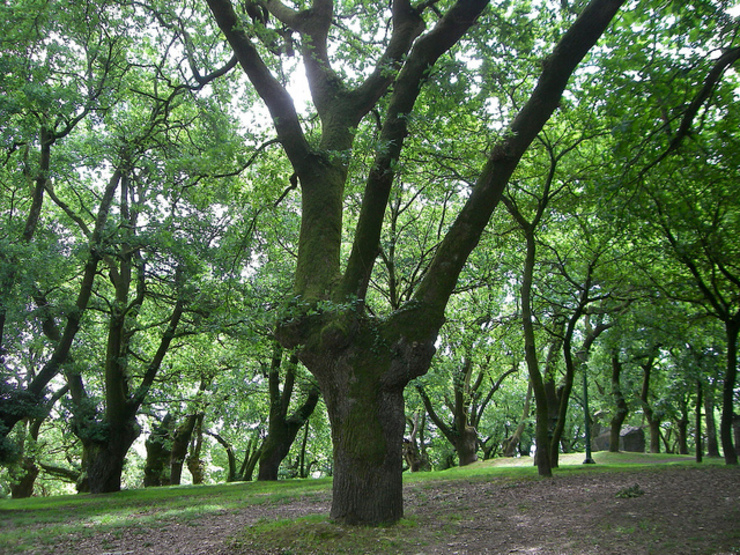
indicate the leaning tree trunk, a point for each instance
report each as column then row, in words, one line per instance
column 23, row 486
column 156, row 468
column 194, row 462
column 510, row 444
column 283, row 429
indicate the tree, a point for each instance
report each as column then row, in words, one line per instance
column 39, row 116
column 473, row 386
column 679, row 175
column 283, row 429
column 362, row 363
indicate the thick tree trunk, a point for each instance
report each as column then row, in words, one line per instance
column 467, row 446
column 274, row 450
column 654, row 425
column 362, row 370
column 105, row 459
column 362, row 374
column 367, row 432
column 180, row 444
column 156, row 469
column 23, row 485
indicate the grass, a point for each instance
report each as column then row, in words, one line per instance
column 85, row 515
column 316, row 534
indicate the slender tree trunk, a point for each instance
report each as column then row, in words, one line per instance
column 194, row 462
column 682, row 427
column 557, row 398
column 697, row 421
column 302, row 471
column 653, row 421
column 728, row 393
column 510, row 443
column 621, row 410
column 712, row 443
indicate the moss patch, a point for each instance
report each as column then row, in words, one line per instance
column 317, row 535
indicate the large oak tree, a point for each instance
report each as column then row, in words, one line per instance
column 362, row 362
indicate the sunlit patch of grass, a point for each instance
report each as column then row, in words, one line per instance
column 316, row 535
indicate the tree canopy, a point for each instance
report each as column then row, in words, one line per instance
column 242, row 230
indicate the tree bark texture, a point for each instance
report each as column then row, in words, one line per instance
column 156, row 468
column 106, row 457
column 180, row 444
column 652, row 419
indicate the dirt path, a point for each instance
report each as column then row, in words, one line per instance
column 676, row 511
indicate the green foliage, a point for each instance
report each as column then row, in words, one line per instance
column 211, row 212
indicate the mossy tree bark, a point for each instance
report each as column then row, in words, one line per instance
column 363, row 363
column 158, row 454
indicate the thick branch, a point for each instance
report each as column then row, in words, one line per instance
column 424, row 55
column 277, row 99
column 466, row 231
column 156, row 363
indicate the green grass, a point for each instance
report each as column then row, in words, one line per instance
column 84, row 515
column 317, row 535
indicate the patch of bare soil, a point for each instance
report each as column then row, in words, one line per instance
column 676, row 511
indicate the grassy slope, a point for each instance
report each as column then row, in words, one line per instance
column 20, row 520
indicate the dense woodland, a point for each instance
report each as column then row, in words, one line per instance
column 273, row 239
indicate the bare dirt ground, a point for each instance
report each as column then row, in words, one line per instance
column 666, row 511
